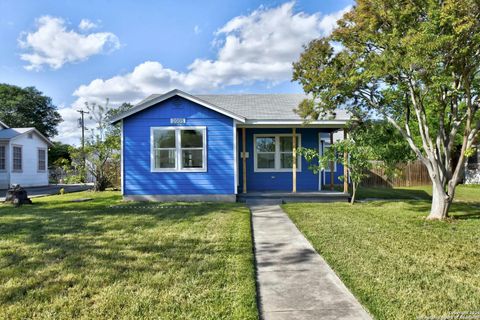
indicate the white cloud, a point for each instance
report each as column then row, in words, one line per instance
column 53, row 45
column 197, row 30
column 86, row 24
column 260, row 46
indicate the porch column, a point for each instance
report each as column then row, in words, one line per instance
column 332, row 165
column 345, row 164
column 294, row 160
column 244, row 160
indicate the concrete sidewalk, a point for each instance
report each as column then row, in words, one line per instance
column 294, row 282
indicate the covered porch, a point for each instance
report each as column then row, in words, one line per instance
column 268, row 165
column 289, row 197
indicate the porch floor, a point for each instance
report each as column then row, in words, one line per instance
column 286, row 197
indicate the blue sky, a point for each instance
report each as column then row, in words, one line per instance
column 125, row 50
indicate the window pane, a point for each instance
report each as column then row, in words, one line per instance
column 286, row 143
column 266, row 144
column 41, row 160
column 164, row 138
column 192, row 158
column 266, row 160
column 2, row 158
column 17, row 158
column 286, row 160
column 164, row 159
column 192, row 138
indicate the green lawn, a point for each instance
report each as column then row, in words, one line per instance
column 463, row 193
column 63, row 260
column 395, row 262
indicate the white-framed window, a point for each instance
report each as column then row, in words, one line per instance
column 17, row 158
column 178, row 149
column 326, row 145
column 273, row 152
column 42, row 159
column 3, row 158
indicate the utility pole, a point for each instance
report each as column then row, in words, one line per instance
column 82, row 123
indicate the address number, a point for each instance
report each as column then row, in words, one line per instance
column 177, row 121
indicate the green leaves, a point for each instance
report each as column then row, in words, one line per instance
column 28, row 107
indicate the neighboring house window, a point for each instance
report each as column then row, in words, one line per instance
column 42, row 161
column 17, row 158
column 275, row 152
column 178, row 149
column 3, row 158
column 326, row 145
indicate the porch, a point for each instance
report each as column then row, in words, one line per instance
column 268, row 166
column 289, row 197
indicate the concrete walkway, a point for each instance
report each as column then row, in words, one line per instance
column 294, row 282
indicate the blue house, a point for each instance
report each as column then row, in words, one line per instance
column 178, row 146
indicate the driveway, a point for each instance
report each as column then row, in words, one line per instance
column 294, row 281
column 34, row 192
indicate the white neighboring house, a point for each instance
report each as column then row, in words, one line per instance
column 23, row 157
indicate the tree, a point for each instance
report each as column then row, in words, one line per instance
column 388, row 148
column 101, row 148
column 115, row 130
column 58, row 151
column 413, row 63
column 358, row 162
column 28, row 107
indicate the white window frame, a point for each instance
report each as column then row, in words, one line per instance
column 44, row 159
column 178, row 149
column 4, row 157
column 326, row 144
column 13, row 158
column 277, row 152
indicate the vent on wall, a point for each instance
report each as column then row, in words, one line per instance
column 30, row 135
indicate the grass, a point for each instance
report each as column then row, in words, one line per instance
column 463, row 193
column 395, row 262
column 63, row 260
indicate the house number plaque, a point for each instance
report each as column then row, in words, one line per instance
column 177, row 121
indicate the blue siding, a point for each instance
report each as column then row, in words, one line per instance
column 139, row 180
column 282, row 181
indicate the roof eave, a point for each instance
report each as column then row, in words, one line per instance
column 171, row 94
column 47, row 141
column 317, row 123
column 4, row 125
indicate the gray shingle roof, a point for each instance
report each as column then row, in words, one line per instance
column 277, row 106
column 13, row 132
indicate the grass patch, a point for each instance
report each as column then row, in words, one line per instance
column 396, row 263
column 463, row 193
column 64, row 260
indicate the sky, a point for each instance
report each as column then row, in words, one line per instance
column 87, row 51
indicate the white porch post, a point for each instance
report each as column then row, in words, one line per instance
column 345, row 164
column 294, row 160
column 244, row 160
column 332, row 165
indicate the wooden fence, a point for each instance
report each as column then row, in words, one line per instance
column 408, row 175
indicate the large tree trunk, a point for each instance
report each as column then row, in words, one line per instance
column 441, row 202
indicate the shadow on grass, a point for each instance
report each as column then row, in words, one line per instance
column 81, row 238
column 389, row 193
column 458, row 210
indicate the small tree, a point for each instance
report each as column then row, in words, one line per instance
column 102, row 147
column 358, row 161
